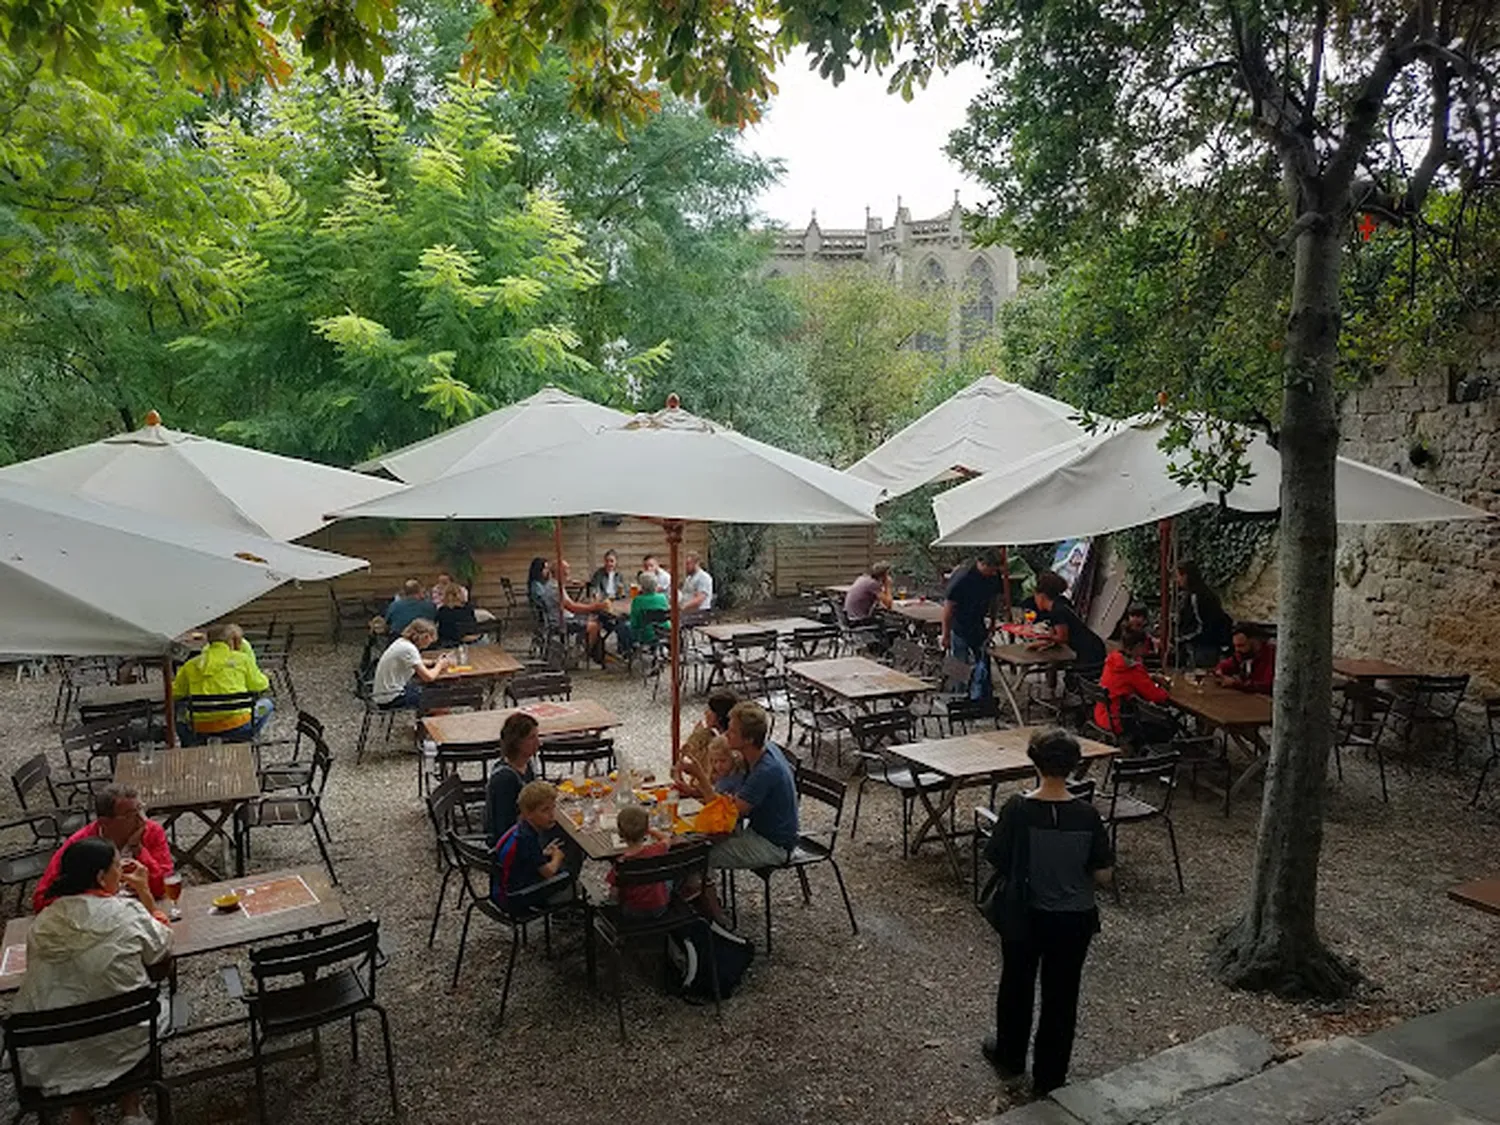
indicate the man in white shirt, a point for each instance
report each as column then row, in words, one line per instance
column 650, row 566
column 697, row 593
column 401, row 671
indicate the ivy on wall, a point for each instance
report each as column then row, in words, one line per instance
column 1222, row 544
column 457, row 542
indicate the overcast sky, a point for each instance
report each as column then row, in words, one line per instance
column 853, row 145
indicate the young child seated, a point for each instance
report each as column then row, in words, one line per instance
column 647, row 899
column 700, row 778
column 522, row 863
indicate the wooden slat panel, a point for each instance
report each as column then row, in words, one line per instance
column 825, row 556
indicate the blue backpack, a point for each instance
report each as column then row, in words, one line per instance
column 688, row 953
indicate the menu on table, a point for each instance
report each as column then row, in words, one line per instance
column 13, row 961
column 548, row 710
column 288, row 893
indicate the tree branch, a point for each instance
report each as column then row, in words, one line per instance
column 1369, row 100
column 1315, row 69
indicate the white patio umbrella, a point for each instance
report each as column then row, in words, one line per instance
column 549, row 417
column 201, row 481
column 1119, row 477
column 670, row 467
column 987, row 426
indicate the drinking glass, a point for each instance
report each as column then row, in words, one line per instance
column 172, row 891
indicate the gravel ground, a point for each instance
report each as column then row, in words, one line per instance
column 878, row 1027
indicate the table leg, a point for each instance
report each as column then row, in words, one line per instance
column 1260, row 759
column 934, row 823
column 189, row 856
column 1010, row 693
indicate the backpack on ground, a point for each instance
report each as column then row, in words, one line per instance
column 688, row 953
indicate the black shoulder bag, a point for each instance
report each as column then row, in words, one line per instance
column 1006, row 901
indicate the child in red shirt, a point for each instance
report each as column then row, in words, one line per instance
column 645, row 900
column 1125, row 678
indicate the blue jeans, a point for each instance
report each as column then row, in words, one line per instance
column 259, row 717
column 980, row 684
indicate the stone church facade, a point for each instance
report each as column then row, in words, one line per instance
column 935, row 253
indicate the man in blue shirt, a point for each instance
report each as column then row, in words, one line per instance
column 403, row 610
column 766, row 796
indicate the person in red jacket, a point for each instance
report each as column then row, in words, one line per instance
column 1252, row 667
column 1125, row 678
column 120, row 819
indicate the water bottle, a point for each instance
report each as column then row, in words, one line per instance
column 463, row 654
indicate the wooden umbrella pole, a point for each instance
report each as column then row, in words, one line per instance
column 674, row 641
column 171, row 719
column 1164, row 540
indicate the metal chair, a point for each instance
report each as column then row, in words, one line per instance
column 301, row 810
column 475, row 861
column 21, row 864
column 1361, row 723
column 1121, row 806
column 872, row 734
column 318, row 998
column 617, row 929
column 815, row 643
column 77, row 1024
column 34, row 778
column 810, row 716
column 199, row 708
column 549, row 685
column 293, row 772
column 812, row 847
column 74, row 673
column 1433, row 702
column 446, row 805
column 561, row 757
column 1492, row 719
column 275, row 661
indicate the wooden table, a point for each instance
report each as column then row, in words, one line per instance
column 1371, row 670
column 113, row 695
column 210, row 783
column 600, row 842
column 1016, row 661
column 486, row 662
column 858, row 679
column 1239, row 714
column 202, row 929
column 574, row 716
column 981, row 758
column 838, row 589
column 1481, row 894
column 723, row 633
column 921, row 612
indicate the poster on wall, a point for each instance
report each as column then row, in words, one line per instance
column 1069, row 560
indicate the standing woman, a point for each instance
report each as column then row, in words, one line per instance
column 1050, row 849
column 90, row 944
column 1203, row 628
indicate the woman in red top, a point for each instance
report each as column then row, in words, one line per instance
column 1125, row 678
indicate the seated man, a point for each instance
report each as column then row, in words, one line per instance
column 1067, row 627
column 1252, row 667
column 409, row 605
column 122, row 821
column 697, row 593
column 869, row 590
column 650, row 565
column 402, row 671
column 766, row 796
column 222, row 670
column 607, row 581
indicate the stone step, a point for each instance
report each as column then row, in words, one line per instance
column 1444, row 1043
column 1333, row 1083
column 1475, row 1091
column 1142, row 1092
column 1422, row 1111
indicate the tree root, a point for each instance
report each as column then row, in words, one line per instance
column 1294, row 967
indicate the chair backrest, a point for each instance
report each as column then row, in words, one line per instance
column 86, row 671
column 228, row 701
column 138, row 710
column 955, row 674
column 103, row 738
column 575, row 751
column 1083, row 790
column 962, row 712
column 303, row 958
column 812, row 643
column 881, row 728
column 751, row 644
column 1091, row 692
column 322, row 762
column 1441, row 694
column 50, row 1026
column 441, row 803
column 34, row 773
column 679, row 863
column 551, row 685
column 507, row 587
column 1145, row 769
column 907, row 655
column 814, row 786
column 449, row 697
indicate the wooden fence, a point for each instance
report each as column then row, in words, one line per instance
column 820, row 556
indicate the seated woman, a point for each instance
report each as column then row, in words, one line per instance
column 638, row 630
column 91, row 943
column 544, row 592
column 456, row 622
column 1125, row 678
column 402, row 670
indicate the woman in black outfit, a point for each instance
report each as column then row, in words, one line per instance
column 1203, row 628
column 1050, row 848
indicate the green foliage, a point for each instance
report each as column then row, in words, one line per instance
column 456, row 542
column 1224, row 546
column 735, row 552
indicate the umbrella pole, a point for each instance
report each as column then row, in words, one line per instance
column 1005, row 580
column 1164, row 540
column 562, row 590
column 674, row 641
column 171, row 719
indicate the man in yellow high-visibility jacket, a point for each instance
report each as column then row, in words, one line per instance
column 221, row 669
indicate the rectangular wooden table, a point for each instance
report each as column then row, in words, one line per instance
column 980, row 758
column 1239, row 714
column 555, row 717
column 1481, row 894
column 292, row 902
column 782, row 626
column 210, row 783
column 111, row 695
column 600, row 843
column 486, row 662
column 1015, row 661
column 858, row 679
column 1371, row 670
column 923, row 613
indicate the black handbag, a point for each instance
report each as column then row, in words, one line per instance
column 1006, row 901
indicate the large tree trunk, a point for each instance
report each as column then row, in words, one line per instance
column 1275, row 945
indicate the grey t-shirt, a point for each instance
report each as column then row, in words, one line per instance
column 1067, row 843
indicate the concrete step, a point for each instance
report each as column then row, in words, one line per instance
column 1444, row 1043
column 1422, row 1111
column 1331, row 1084
column 1145, row 1091
column 1475, row 1091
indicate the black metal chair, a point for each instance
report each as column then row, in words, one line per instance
column 1122, row 806
column 74, row 673
column 442, row 698
column 1361, row 723
column 815, row 643
column 873, row 734
column 20, row 864
column 681, row 865
column 812, row 847
column 200, row 708
column 1092, row 695
column 1492, row 719
column 547, row 685
column 300, row 810
column 477, row 862
column 750, row 663
column 1433, row 703
column 810, row 716
column 446, row 807
column 89, row 750
column 293, row 772
column 562, row 756
column 318, row 998
column 76, row 1024
column 274, row 659
column 34, row 779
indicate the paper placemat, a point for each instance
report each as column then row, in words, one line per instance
column 291, row 893
column 13, row 963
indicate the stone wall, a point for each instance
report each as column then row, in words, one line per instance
column 1427, row 595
